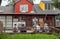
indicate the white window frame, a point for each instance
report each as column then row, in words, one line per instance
column 23, row 8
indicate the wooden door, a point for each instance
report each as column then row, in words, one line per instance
column 50, row 20
column 1, row 27
column 27, row 19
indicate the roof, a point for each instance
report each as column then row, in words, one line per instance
column 36, row 10
column 39, row 11
column 19, row 1
column 48, row 1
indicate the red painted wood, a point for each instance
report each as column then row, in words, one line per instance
column 22, row 2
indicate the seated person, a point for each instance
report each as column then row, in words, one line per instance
column 46, row 28
column 15, row 29
column 23, row 28
column 19, row 26
column 36, row 27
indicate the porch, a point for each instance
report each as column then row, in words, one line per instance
column 10, row 20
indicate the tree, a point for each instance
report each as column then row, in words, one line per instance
column 11, row 2
column 0, row 2
column 31, row 1
column 56, row 3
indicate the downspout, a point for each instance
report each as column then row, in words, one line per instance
column 45, row 18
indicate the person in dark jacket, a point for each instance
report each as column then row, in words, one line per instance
column 15, row 29
column 23, row 28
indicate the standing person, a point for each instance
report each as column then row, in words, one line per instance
column 15, row 29
column 46, row 28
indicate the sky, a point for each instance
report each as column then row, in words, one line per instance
column 5, row 2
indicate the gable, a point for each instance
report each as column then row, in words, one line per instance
column 23, row 7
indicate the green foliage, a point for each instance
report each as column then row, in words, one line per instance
column 58, row 17
column 56, row 3
column 28, row 36
column 31, row 1
column 12, row 3
column 0, row 2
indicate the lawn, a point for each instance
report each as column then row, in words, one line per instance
column 28, row 36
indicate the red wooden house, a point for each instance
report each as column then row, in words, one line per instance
column 23, row 6
column 24, row 11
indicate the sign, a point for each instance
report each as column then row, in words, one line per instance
column 41, row 4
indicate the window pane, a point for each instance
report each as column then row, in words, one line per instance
column 15, row 20
column 48, row 6
column 57, row 21
column 10, row 17
column 45, row 6
column 2, row 18
column 9, row 22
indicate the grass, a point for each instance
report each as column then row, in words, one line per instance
column 28, row 36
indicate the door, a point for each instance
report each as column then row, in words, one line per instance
column 50, row 20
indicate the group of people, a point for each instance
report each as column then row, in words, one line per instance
column 38, row 28
column 21, row 28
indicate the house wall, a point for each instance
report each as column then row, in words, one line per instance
column 6, row 10
column 8, row 20
column 23, row 6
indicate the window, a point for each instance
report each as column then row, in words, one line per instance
column 15, row 20
column 24, row 8
column 57, row 18
column 57, row 21
column 48, row 6
column 45, row 6
column 2, row 18
column 9, row 22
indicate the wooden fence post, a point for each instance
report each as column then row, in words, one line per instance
column 1, row 27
